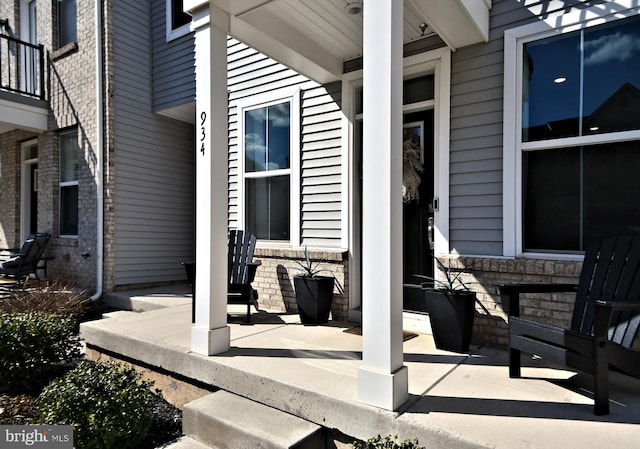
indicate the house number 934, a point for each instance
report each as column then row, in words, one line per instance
column 203, row 135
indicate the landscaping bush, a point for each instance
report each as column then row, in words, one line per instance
column 35, row 347
column 387, row 442
column 108, row 405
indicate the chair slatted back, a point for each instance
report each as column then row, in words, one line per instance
column 32, row 250
column 241, row 247
column 611, row 271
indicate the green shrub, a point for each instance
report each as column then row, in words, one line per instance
column 35, row 347
column 106, row 403
column 387, row 442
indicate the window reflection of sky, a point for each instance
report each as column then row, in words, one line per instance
column 267, row 138
column 610, row 58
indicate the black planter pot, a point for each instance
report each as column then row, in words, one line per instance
column 314, row 297
column 451, row 316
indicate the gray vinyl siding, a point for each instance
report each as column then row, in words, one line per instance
column 173, row 62
column 250, row 74
column 154, row 168
column 476, row 131
column 321, row 166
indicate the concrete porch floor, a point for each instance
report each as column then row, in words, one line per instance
column 456, row 401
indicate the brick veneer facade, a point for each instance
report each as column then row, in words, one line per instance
column 70, row 91
column 490, row 326
column 274, row 281
column 274, row 278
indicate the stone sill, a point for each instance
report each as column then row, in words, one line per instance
column 319, row 254
column 68, row 49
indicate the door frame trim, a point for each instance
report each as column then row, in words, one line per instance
column 438, row 62
column 25, row 186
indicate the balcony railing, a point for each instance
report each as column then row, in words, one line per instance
column 21, row 67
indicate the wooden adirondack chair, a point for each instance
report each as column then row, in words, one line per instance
column 20, row 263
column 241, row 268
column 605, row 322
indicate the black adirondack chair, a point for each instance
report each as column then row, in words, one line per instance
column 241, row 268
column 605, row 321
column 20, row 263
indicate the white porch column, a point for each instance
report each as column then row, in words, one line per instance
column 210, row 333
column 382, row 379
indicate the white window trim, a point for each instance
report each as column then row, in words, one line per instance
column 291, row 95
column 514, row 39
column 62, row 184
column 170, row 33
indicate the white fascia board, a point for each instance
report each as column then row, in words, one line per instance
column 275, row 38
column 23, row 116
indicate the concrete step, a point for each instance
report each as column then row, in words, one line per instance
column 185, row 443
column 224, row 420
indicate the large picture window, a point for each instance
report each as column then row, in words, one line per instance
column 267, row 171
column 580, row 116
column 69, row 183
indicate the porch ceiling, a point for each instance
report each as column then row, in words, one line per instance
column 317, row 37
column 19, row 112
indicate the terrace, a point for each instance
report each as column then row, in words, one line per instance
column 310, row 372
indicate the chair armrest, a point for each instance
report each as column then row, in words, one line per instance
column 253, row 267
column 12, row 252
column 510, row 293
column 617, row 305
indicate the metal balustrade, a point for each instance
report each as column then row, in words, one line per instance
column 21, row 67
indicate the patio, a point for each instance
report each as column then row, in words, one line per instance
column 456, row 400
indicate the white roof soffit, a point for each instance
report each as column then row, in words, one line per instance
column 315, row 37
column 272, row 36
column 458, row 22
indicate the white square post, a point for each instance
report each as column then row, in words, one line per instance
column 382, row 379
column 210, row 333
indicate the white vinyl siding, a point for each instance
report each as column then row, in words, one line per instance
column 252, row 75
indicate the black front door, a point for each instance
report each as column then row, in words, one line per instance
column 417, row 210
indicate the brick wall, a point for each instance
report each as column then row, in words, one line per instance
column 274, row 278
column 73, row 103
column 72, row 100
column 490, row 325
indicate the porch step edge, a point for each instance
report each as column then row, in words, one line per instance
column 229, row 421
column 186, row 443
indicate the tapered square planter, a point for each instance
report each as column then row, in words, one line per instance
column 451, row 315
column 314, row 296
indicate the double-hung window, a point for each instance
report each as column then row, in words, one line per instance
column 269, row 148
column 67, row 22
column 577, row 134
column 69, row 183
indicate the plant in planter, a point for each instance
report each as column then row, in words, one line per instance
column 314, row 292
column 451, row 307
